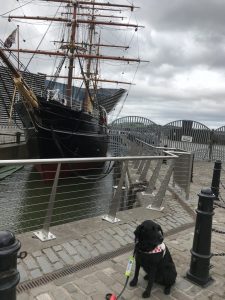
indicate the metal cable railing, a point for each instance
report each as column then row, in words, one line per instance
column 72, row 194
column 51, row 192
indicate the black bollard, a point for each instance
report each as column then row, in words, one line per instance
column 201, row 249
column 215, row 186
column 9, row 276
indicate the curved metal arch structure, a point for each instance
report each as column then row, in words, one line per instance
column 218, row 143
column 133, row 119
column 189, row 135
column 133, row 127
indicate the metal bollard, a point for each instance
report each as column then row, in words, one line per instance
column 9, row 276
column 201, row 249
column 215, row 186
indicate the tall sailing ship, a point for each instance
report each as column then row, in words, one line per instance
column 63, row 122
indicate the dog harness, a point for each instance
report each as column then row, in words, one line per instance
column 158, row 249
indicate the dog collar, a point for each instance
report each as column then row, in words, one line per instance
column 158, row 249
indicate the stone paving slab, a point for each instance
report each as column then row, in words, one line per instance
column 86, row 239
column 105, row 237
column 95, row 282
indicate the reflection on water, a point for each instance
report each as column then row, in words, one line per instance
column 24, row 198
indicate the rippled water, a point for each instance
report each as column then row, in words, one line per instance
column 24, row 198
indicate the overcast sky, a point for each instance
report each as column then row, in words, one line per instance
column 184, row 40
column 185, row 79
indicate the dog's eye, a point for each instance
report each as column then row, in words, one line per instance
column 153, row 228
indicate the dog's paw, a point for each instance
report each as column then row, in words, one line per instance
column 167, row 290
column 133, row 282
column 146, row 294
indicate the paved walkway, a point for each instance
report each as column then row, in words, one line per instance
column 88, row 241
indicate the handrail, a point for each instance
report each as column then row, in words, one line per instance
column 80, row 160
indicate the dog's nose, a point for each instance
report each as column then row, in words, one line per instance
column 161, row 239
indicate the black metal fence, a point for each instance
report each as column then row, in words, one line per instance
column 189, row 135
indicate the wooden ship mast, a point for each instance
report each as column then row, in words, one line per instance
column 73, row 49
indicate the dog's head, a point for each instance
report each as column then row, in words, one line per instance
column 148, row 235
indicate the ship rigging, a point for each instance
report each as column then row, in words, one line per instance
column 73, row 122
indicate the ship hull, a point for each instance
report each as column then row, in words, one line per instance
column 69, row 144
column 60, row 132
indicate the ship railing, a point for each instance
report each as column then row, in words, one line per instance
column 56, row 95
column 50, row 192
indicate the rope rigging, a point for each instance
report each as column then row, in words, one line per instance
column 18, row 7
column 41, row 39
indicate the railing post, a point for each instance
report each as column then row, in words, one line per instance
column 211, row 143
column 18, row 135
column 201, row 249
column 215, row 186
column 141, row 166
column 137, row 162
column 164, row 160
column 158, row 199
column 183, row 172
column 192, row 166
column 144, row 172
column 155, row 174
column 114, row 206
column 44, row 234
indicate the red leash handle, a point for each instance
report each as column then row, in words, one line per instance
column 111, row 297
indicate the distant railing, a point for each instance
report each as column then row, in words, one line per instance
column 9, row 135
column 191, row 136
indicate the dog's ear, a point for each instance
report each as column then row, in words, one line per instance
column 160, row 228
column 138, row 231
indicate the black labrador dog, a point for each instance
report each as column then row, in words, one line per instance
column 154, row 257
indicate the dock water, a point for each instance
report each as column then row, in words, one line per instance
column 88, row 258
column 6, row 171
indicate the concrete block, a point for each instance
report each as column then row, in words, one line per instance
column 69, row 248
column 44, row 264
column 30, row 262
column 83, row 252
column 36, row 273
column 23, row 273
column 51, row 255
column 65, row 257
column 57, row 248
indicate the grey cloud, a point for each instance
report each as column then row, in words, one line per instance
column 183, row 15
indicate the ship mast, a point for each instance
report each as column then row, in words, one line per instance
column 71, row 59
column 96, row 70
column 87, row 104
column 75, row 49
